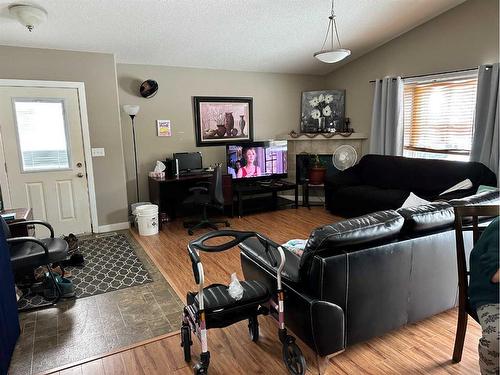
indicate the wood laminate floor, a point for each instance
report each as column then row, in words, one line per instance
column 422, row 348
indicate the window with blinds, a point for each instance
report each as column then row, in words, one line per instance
column 439, row 117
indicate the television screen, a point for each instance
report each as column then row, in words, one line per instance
column 257, row 159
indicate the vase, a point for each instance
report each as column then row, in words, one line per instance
column 229, row 122
column 221, row 130
column 317, row 175
column 321, row 124
column 242, row 124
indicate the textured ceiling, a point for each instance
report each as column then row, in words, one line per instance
column 249, row 35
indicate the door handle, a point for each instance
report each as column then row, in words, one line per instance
column 80, row 175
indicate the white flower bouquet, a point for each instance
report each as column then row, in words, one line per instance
column 321, row 106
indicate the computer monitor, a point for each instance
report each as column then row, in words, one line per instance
column 188, row 161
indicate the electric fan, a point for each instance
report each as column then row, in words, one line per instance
column 344, row 157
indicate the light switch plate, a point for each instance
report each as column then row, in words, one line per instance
column 98, row 152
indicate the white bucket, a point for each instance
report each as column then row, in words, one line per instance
column 146, row 217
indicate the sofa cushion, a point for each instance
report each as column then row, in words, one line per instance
column 487, row 197
column 427, row 217
column 348, row 234
column 374, row 198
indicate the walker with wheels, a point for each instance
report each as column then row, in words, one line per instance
column 213, row 307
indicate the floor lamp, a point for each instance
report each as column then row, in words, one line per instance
column 133, row 110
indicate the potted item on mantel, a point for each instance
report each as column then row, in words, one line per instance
column 317, row 171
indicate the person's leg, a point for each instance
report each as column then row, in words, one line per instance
column 489, row 316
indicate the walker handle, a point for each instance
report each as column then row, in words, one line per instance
column 238, row 236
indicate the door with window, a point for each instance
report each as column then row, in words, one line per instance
column 44, row 155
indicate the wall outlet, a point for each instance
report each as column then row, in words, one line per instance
column 98, row 152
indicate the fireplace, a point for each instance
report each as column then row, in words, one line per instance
column 300, row 148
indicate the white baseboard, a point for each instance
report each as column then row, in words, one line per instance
column 112, row 227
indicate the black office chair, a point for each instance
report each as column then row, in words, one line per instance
column 210, row 195
column 28, row 253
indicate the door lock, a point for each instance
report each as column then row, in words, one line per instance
column 80, row 174
column 79, row 165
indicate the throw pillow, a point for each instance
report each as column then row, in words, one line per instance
column 462, row 185
column 483, row 188
column 414, row 201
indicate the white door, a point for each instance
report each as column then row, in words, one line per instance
column 44, row 156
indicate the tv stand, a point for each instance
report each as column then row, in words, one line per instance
column 244, row 189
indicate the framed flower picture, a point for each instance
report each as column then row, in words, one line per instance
column 222, row 120
column 322, row 111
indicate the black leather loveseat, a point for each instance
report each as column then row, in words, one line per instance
column 365, row 276
column 384, row 182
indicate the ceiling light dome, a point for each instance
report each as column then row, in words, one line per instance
column 333, row 54
column 28, row 15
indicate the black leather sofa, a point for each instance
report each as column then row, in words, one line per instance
column 384, row 182
column 365, row 276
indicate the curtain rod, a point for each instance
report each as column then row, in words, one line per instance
column 435, row 74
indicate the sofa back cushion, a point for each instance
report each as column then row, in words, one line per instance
column 352, row 233
column 425, row 177
column 427, row 217
column 486, row 197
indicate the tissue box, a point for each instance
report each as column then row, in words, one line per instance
column 157, row 174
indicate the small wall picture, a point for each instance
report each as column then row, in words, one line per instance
column 163, row 128
column 221, row 120
column 322, row 111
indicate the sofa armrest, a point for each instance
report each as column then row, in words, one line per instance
column 328, row 327
column 349, row 177
column 254, row 249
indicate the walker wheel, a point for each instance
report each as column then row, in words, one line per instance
column 200, row 369
column 253, row 328
column 293, row 357
column 186, row 342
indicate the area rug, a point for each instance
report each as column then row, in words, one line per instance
column 110, row 264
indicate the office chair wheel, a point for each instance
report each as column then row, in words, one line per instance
column 199, row 368
column 227, row 224
column 293, row 357
column 253, row 329
column 186, row 342
column 190, row 232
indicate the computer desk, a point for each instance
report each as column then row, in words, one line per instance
column 169, row 192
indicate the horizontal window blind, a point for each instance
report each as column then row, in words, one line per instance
column 439, row 116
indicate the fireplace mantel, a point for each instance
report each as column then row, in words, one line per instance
column 319, row 137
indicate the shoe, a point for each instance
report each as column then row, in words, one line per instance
column 72, row 241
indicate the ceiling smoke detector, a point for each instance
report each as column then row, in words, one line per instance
column 29, row 16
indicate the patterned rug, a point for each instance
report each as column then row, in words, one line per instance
column 110, row 264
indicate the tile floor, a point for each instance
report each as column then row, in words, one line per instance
column 85, row 327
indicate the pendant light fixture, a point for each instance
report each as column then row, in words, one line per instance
column 333, row 54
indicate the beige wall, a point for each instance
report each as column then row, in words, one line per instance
column 276, row 110
column 98, row 72
column 464, row 37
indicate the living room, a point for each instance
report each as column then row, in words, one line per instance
column 140, row 78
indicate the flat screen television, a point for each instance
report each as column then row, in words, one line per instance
column 257, row 160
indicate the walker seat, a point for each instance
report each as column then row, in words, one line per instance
column 221, row 310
